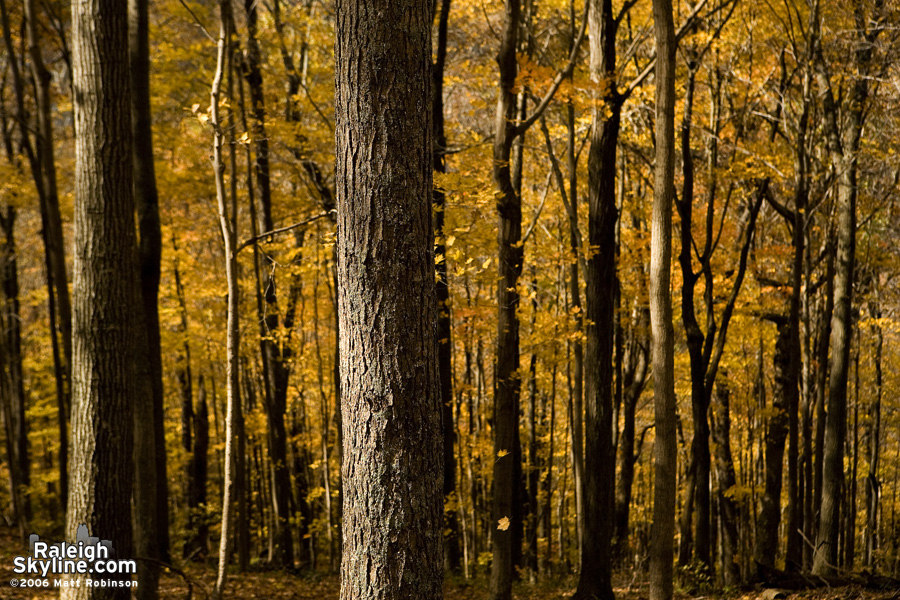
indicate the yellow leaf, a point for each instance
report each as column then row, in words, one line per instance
column 503, row 524
column 244, row 139
column 486, row 264
column 502, row 453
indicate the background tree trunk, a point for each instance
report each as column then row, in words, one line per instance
column 151, row 483
column 444, row 321
column 510, row 256
column 598, row 485
column 665, row 456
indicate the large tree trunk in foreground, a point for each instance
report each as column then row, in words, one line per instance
column 392, row 460
column 664, row 450
column 105, row 285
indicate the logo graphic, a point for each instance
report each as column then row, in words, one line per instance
column 89, row 562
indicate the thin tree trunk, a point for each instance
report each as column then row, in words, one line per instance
column 698, row 472
column 665, row 450
column 227, row 216
column 275, row 355
column 511, row 256
column 730, row 511
column 198, row 542
column 14, row 398
column 776, row 433
column 873, row 485
column 44, row 173
column 444, row 321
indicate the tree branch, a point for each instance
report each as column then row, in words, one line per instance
column 261, row 236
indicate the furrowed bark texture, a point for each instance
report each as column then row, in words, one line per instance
column 105, row 284
column 392, row 443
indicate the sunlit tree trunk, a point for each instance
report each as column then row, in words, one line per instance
column 105, row 291
column 227, row 217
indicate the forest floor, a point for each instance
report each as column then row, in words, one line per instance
column 277, row 585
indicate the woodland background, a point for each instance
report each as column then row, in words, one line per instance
column 786, row 114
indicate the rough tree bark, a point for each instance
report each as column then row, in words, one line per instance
column 105, row 284
column 392, row 461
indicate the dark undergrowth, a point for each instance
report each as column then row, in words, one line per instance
column 196, row 580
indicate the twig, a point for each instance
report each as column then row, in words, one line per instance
column 197, row 21
column 261, row 236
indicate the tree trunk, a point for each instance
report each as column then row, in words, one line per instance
column 698, row 472
column 728, row 506
column 151, row 482
column 275, row 355
column 392, row 460
column 776, row 433
column 227, row 217
column 105, row 285
column 844, row 151
column 665, row 450
column 873, row 485
column 444, row 321
column 43, row 168
column 12, row 388
column 12, row 377
column 197, row 543
column 598, row 486
column 511, row 255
